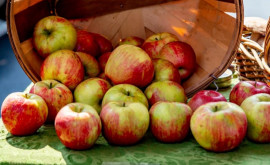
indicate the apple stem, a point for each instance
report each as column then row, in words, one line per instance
column 50, row 85
column 128, row 93
column 124, row 104
column 255, row 84
column 216, row 109
column 26, row 95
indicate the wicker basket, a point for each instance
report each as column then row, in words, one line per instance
column 204, row 24
column 251, row 59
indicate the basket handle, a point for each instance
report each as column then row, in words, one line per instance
column 253, row 55
column 267, row 43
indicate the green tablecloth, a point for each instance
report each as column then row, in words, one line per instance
column 44, row 147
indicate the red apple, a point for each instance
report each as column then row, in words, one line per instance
column 64, row 66
column 165, row 70
column 55, row 94
column 78, row 126
column 219, row 126
column 86, row 43
column 23, row 113
column 129, row 64
column 104, row 44
column 165, row 91
column 91, row 66
column 132, row 40
column 169, row 121
column 91, row 92
column 244, row 89
column 53, row 33
column 124, row 123
column 102, row 60
column 153, row 44
column 181, row 55
column 257, row 109
column 203, row 97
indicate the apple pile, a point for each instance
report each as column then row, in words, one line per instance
column 88, row 86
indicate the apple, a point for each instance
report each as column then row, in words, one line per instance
column 244, row 89
column 64, row 66
column 124, row 93
column 129, row 64
column 91, row 92
column 124, row 123
column 78, row 126
column 165, row 91
column 181, row 55
column 165, row 70
column 23, row 113
column 219, row 126
column 55, row 94
column 86, row 43
column 153, row 44
column 102, row 60
column 169, row 121
column 257, row 109
column 104, row 44
column 53, row 33
column 203, row 97
column 103, row 76
column 132, row 40
column 91, row 66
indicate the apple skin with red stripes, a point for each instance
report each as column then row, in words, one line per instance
column 182, row 55
column 55, row 94
column 154, row 43
column 245, row 89
column 257, row 109
column 169, row 121
column 78, row 126
column 23, row 113
column 64, row 66
column 124, row 123
column 129, row 64
column 219, row 126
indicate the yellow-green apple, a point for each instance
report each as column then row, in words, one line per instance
column 153, row 44
column 219, row 126
column 169, row 121
column 91, row 92
column 132, row 40
column 124, row 93
column 165, row 70
column 86, row 43
column 53, row 33
column 91, row 66
column 129, row 64
column 165, row 91
column 64, row 66
column 23, row 113
column 78, row 126
column 124, row 123
column 104, row 44
column 55, row 94
column 102, row 60
column 181, row 55
column 244, row 89
column 203, row 97
column 257, row 109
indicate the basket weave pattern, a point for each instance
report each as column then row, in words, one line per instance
column 251, row 59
